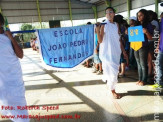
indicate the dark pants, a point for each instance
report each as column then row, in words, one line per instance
column 141, row 57
column 159, row 70
column 132, row 59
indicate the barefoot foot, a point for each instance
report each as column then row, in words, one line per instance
column 137, row 83
column 142, row 83
column 115, row 95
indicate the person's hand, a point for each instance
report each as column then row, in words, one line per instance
column 96, row 51
column 145, row 30
column 126, row 32
column 9, row 34
column 125, row 55
column 97, row 26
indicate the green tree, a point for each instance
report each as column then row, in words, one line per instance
column 27, row 36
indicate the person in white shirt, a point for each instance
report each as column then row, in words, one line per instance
column 12, row 91
column 110, row 50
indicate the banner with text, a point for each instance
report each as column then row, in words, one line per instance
column 136, row 34
column 65, row 48
column 136, row 37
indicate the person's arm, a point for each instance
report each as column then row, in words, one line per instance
column 100, row 33
column 121, row 43
column 97, row 48
column 123, row 49
column 149, row 36
column 17, row 49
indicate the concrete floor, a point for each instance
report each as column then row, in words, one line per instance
column 82, row 93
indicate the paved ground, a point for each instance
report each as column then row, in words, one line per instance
column 82, row 95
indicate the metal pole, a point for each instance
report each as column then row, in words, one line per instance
column 70, row 12
column 95, row 12
column 156, row 6
column 128, row 8
column 39, row 15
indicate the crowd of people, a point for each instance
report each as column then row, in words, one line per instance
column 107, row 48
column 112, row 55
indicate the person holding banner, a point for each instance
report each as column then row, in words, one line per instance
column 142, row 54
column 12, row 91
column 110, row 50
column 97, row 62
column 132, row 60
column 88, row 62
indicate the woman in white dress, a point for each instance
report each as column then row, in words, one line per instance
column 110, row 50
column 12, row 91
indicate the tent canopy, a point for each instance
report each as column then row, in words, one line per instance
column 26, row 11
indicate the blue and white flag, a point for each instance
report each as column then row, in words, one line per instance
column 66, row 48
